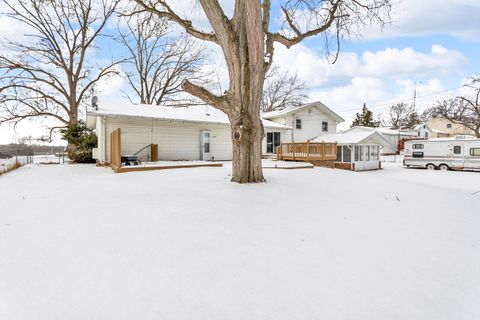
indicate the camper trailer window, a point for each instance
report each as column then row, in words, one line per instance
column 475, row 152
column 417, row 146
column 457, row 149
column 417, row 154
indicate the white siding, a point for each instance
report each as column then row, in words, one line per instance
column 312, row 119
column 176, row 140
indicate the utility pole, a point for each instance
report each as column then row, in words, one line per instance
column 415, row 95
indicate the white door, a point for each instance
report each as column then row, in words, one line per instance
column 457, row 154
column 205, row 145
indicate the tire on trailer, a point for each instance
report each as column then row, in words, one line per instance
column 443, row 167
column 430, row 166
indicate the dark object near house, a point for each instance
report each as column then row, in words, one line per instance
column 130, row 161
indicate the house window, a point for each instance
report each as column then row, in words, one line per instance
column 418, row 134
column 347, row 154
column 358, row 153
column 475, row 152
column 324, row 126
column 457, row 149
column 367, row 153
column 273, row 141
column 339, row 154
column 417, row 146
column 374, row 152
column 426, row 134
column 449, row 125
column 298, row 123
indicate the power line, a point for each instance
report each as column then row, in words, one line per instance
column 391, row 102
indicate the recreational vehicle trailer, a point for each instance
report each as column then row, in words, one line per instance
column 458, row 153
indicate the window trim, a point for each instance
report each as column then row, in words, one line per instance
column 455, row 148
column 324, row 126
column 417, row 146
column 298, row 123
column 472, row 152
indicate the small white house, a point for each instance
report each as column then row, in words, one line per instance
column 391, row 137
column 183, row 133
column 307, row 121
column 357, row 150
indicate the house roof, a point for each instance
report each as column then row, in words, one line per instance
column 203, row 113
column 351, row 137
column 382, row 130
column 317, row 104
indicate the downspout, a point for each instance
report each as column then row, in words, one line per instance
column 104, row 144
column 293, row 126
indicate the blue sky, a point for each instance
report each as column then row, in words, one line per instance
column 434, row 43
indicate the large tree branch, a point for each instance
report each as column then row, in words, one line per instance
column 300, row 36
column 169, row 14
column 219, row 102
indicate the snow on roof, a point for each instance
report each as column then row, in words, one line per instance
column 349, row 137
column 317, row 104
column 382, row 130
column 203, row 113
column 456, row 138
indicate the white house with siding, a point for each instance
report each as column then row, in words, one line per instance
column 186, row 133
column 391, row 137
column 307, row 121
column 195, row 132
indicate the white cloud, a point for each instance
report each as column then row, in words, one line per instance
column 379, row 94
column 400, row 62
column 110, row 88
column 391, row 63
column 458, row 18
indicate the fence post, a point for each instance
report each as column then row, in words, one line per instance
column 294, row 150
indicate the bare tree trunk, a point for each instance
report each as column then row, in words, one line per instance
column 247, row 136
column 247, row 76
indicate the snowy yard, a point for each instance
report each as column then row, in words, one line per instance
column 80, row 242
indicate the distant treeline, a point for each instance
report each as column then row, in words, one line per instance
column 17, row 149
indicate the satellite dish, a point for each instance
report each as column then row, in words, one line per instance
column 95, row 102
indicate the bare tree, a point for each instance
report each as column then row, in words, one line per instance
column 398, row 115
column 282, row 90
column 247, row 41
column 158, row 63
column 462, row 110
column 50, row 75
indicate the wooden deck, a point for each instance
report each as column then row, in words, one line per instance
column 307, row 151
column 164, row 167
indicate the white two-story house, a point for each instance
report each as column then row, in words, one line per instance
column 307, row 122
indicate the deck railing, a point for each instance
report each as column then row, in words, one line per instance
column 307, row 151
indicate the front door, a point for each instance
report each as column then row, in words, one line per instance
column 205, row 145
column 273, row 141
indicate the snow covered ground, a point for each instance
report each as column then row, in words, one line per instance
column 80, row 242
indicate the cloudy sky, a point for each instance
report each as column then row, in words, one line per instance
column 434, row 44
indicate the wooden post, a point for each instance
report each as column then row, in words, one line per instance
column 293, row 150
column 154, row 152
column 115, row 149
column 308, row 151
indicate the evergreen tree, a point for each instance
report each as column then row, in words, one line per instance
column 365, row 118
